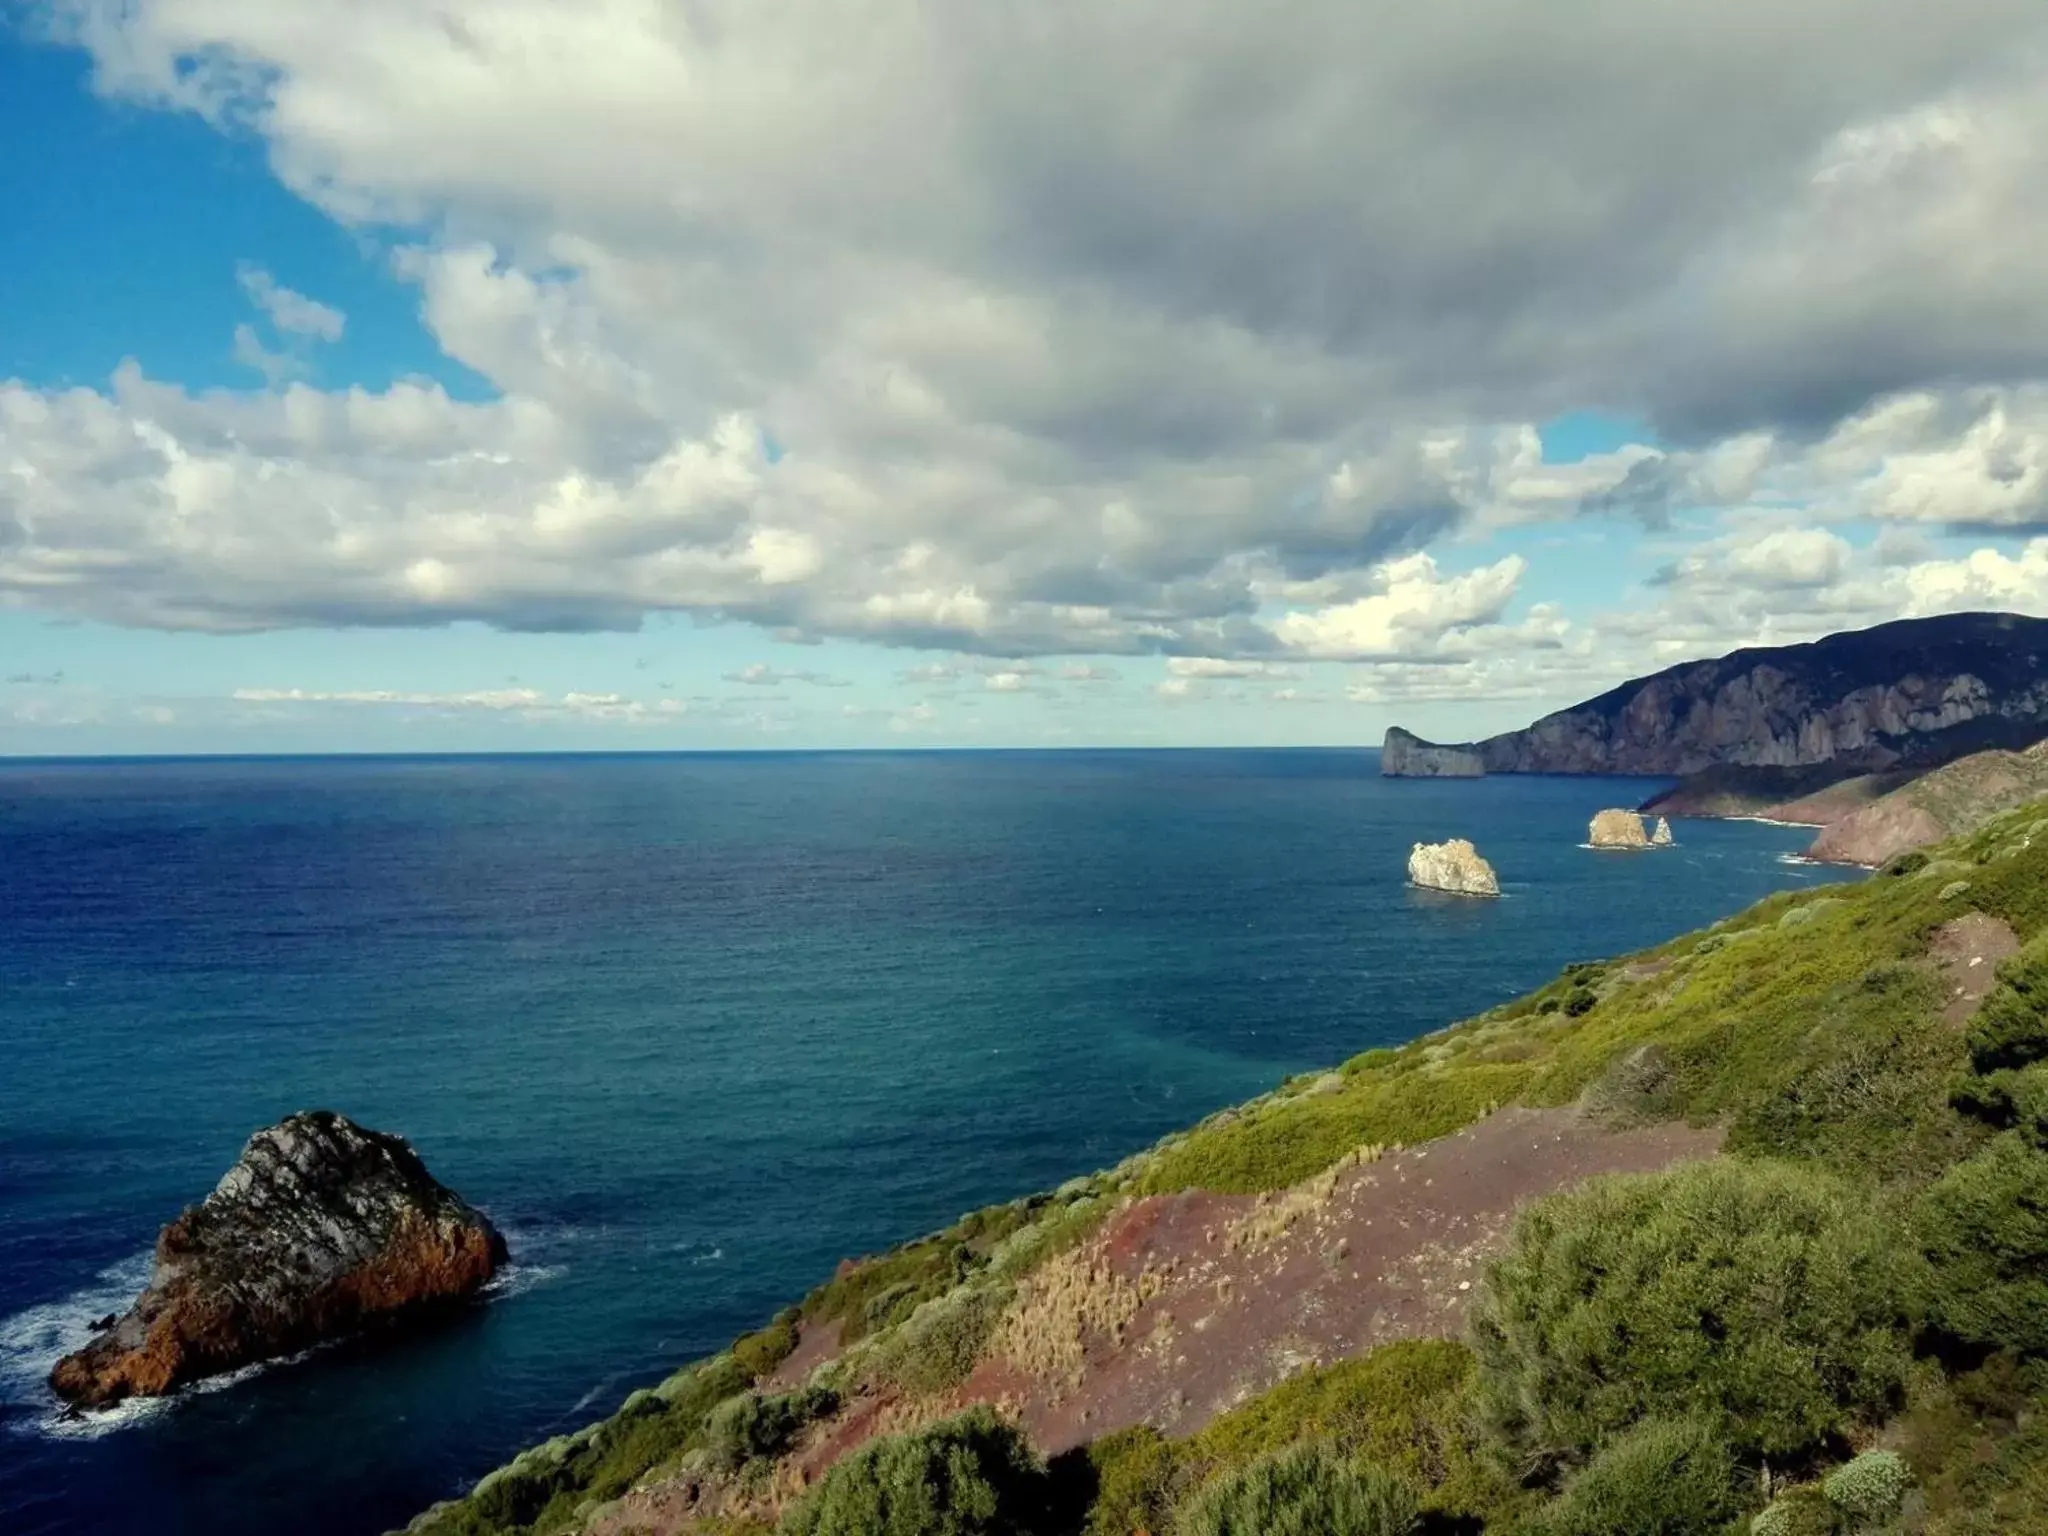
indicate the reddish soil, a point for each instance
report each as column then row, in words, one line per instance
column 1967, row 950
column 1389, row 1250
column 1392, row 1254
column 815, row 1344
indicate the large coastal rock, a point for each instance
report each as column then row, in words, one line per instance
column 1620, row 829
column 320, row 1227
column 1919, row 691
column 1660, row 834
column 1454, row 866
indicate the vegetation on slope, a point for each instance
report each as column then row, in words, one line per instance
column 1862, row 1276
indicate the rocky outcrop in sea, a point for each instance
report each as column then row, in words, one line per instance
column 320, row 1227
column 1454, row 866
column 1919, row 691
column 1660, row 834
column 1620, row 829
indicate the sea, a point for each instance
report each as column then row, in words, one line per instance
column 691, row 1029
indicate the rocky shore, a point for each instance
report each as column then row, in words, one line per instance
column 320, row 1227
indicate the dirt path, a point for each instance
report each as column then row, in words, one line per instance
column 1968, row 950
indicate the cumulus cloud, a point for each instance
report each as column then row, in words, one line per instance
column 919, row 325
column 1409, row 616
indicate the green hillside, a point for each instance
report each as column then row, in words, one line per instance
column 1839, row 1325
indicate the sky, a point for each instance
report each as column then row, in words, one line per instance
column 423, row 375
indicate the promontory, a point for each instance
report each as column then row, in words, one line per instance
column 320, row 1227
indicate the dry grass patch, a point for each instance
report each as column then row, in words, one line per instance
column 1071, row 1298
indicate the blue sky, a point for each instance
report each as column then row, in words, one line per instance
column 473, row 377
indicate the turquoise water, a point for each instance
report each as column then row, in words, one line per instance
column 692, row 1029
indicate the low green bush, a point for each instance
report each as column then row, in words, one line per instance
column 1983, row 1229
column 1799, row 1512
column 752, row 1427
column 1767, row 1297
column 935, row 1348
column 970, row 1475
column 1870, row 1488
column 1309, row 1490
column 1673, row 1477
column 1137, row 1475
column 2011, row 1028
column 1397, row 1406
column 760, row 1352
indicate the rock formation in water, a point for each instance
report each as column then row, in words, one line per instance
column 1454, row 866
column 321, row 1226
column 1920, row 691
column 1405, row 755
column 1660, row 835
column 1618, row 829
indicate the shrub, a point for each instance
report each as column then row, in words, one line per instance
column 1983, row 1228
column 1136, row 1473
column 1762, row 1295
column 760, row 1352
column 2011, row 1028
column 1670, row 1476
column 1580, row 1001
column 752, row 1427
column 1801, row 1512
column 1396, row 1407
column 970, row 1475
column 1309, row 1490
column 1869, row 1488
column 2010, row 1097
column 936, row 1347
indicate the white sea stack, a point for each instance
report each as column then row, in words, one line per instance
column 1617, row 829
column 1660, row 835
column 1454, row 866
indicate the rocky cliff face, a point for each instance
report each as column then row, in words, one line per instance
column 319, row 1227
column 1405, row 755
column 1956, row 798
column 1454, row 866
column 1920, row 689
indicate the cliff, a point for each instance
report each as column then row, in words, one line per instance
column 1958, row 797
column 320, row 1227
column 1465, row 1275
column 1916, row 691
column 1455, row 867
column 1407, row 756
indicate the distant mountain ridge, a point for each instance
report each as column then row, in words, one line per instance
column 1910, row 694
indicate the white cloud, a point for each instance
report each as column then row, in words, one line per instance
column 760, row 674
column 919, row 325
column 1409, row 616
column 291, row 312
column 526, row 702
column 1217, row 666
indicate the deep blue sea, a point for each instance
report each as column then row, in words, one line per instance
column 691, row 1028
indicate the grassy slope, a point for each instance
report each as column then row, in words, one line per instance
column 1807, row 1024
